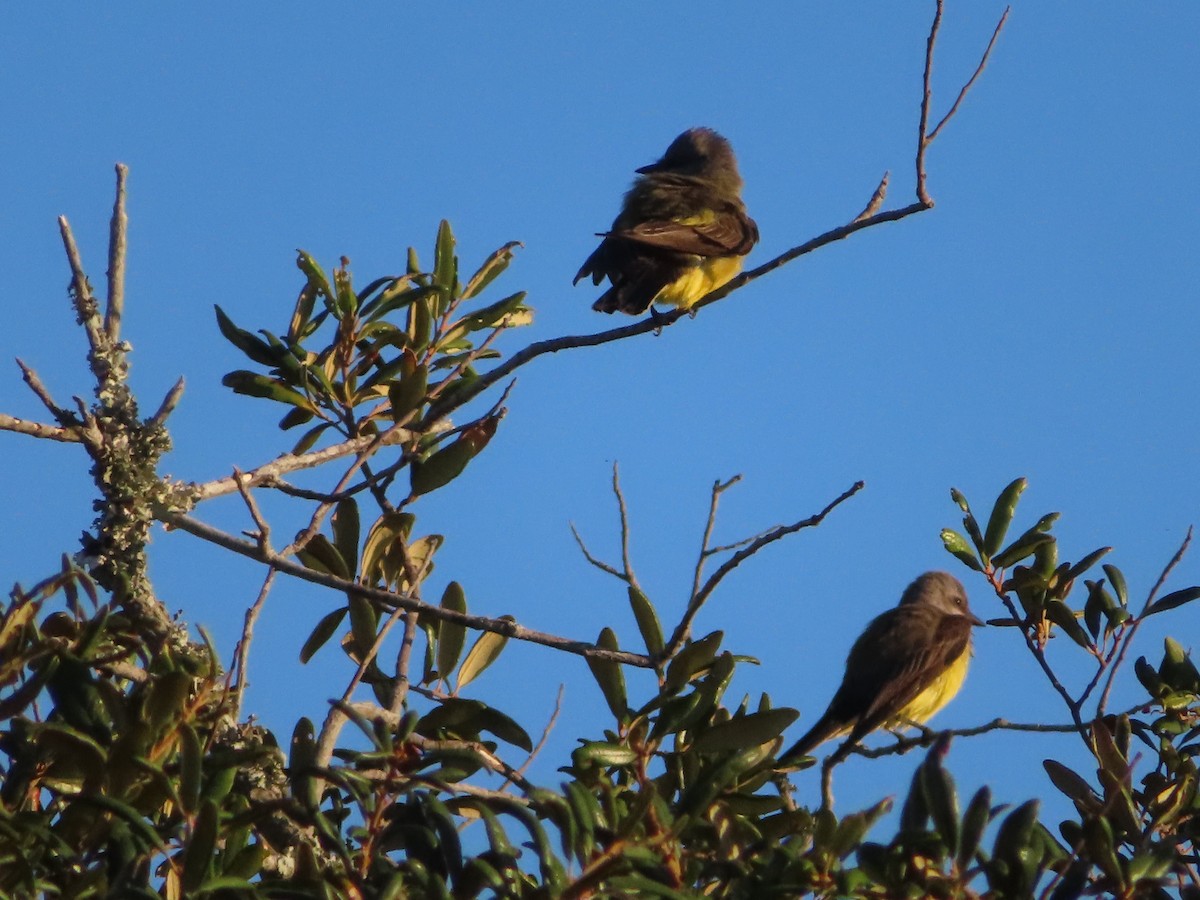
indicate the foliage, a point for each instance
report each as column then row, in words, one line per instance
column 127, row 767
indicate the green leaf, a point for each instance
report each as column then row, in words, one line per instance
column 603, row 754
column 609, row 675
column 198, row 854
column 691, row 659
column 252, row 384
column 957, row 496
column 309, row 439
column 482, row 654
column 506, row 729
column 191, row 760
column 1062, row 616
column 319, row 554
column 1086, row 563
column 364, row 625
column 407, row 394
column 300, row 325
column 975, row 822
column 941, row 798
column 1173, row 600
column 1002, row 516
column 451, row 635
column 1117, row 579
column 317, row 278
column 295, row 417
column 325, row 629
column 956, row 544
column 254, row 347
column 647, row 621
column 448, row 463
column 346, row 533
column 166, row 699
column 445, row 263
column 493, row 266
column 745, row 731
column 1071, row 783
column 1024, row 546
column 387, row 530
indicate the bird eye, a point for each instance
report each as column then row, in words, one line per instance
column 958, row 601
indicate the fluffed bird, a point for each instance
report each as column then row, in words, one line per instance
column 908, row 664
column 682, row 231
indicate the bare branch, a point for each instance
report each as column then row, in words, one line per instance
column 296, row 462
column 626, row 558
column 116, row 260
column 167, row 406
column 983, row 60
column 876, row 201
column 39, row 429
column 402, row 663
column 599, row 564
column 926, row 96
column 719, row 487
column 40, row 391
column 389, row 600
column 1162, row 579
column 242, row 652
column 1038, row 654
column 533, row 754
column 700, row 597
column 85, row 301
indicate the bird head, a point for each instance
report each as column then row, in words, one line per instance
column 940, row 591
column 699, row 152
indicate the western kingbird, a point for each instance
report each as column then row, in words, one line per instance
column 682, row 230
column 908, row 663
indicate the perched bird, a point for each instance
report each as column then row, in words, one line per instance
column 908, row 663
column 682, row 230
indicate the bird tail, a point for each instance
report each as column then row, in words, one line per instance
column 825, row 728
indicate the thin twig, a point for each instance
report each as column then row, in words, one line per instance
column 263, row 535
column 291, row 462
column 39, row 429
column 700, row 597
column 876, row 202
column 719, row 487
column 541, row 744
column 599, row 564
column 403, row 659
column 30, row 377
column 626, row 557
column 389, row 600
column 1038, row 654
column 242, row 652
column 116, row 260
column 1129, row 635
column 983, row 60
column 85, row 301
column 926, row 97
column 170, row 401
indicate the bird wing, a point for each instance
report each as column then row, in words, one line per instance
column 728, row 232
column 899, row 667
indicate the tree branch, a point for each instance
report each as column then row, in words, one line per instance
column 389, row 600
column 699, row 598
column 116, row 260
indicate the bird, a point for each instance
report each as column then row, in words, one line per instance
column 908, row 663
column 681, row 233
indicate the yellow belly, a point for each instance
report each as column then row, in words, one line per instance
column 938, row 694
column 696, row 283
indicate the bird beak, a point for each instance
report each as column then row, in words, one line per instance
column 975, row 620
column 653, row 167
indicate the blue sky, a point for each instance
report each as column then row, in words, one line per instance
column 1040, row 321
